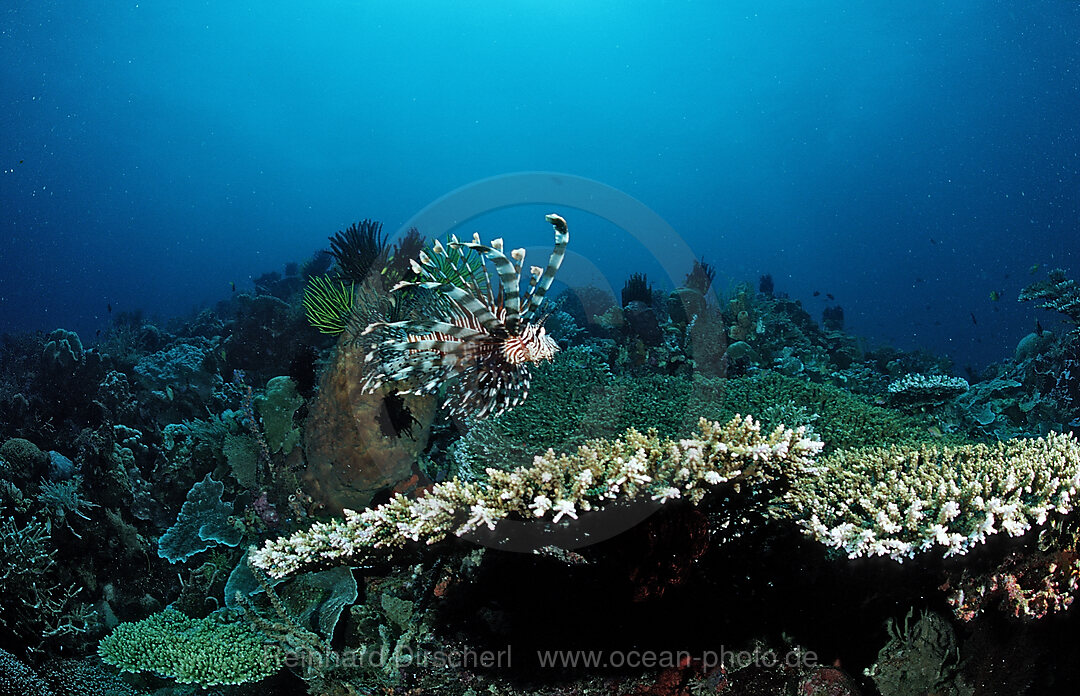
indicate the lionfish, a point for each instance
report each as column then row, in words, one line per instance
column 481, row 343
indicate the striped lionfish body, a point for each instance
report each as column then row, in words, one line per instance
column 483, row 342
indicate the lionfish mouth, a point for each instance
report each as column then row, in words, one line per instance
column 482, row 344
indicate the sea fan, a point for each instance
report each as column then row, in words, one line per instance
column 479, row 343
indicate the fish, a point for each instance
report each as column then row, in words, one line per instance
column 829, row 296
column 995, row 295
column 1038, row 328
column 232, row 284
column 108, row 306
column 973, row 321
column 816, row 293
column 1034, row 268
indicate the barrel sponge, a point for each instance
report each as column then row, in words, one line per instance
column 209, row 652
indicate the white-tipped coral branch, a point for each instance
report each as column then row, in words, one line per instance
column 635, row 466
column 900, row 501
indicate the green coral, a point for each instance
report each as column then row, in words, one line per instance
column 576, row 398
column 211, row 651
column 276, row 408
column 844, row 420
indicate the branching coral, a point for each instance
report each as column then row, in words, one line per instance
column 35, row 605
column 62, row 498
column 1057, row 293
column 636, row 466
column 900, row 501
column 210, row 651
column 480, row 342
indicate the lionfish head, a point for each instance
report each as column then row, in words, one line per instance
column 532, row 345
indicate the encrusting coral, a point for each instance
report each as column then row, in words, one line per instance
column 636, row 466
column 899, row 501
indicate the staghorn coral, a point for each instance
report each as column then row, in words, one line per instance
column 35, row 605
column 899, row 501
column 636, row 466
column 482, row 342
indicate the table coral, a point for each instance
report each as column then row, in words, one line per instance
column 635, row 467
column 899, row 501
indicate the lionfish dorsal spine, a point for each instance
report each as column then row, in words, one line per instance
column 536, row 294
column 509, row 281
column 473, row 306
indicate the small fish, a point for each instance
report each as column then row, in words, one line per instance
column 933, row 241
column 829, row 296
column 97, row 333
column 108, row 306
column 816, row 293
column 232, row 285
column 1038, row 328
column 973, row 319
column 995, row 295
column 1034, row 268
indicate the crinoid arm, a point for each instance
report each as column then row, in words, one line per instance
column 476, row 342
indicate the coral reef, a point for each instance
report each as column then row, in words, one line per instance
column 103, row 440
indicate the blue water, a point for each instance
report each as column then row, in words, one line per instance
column 908, row 158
